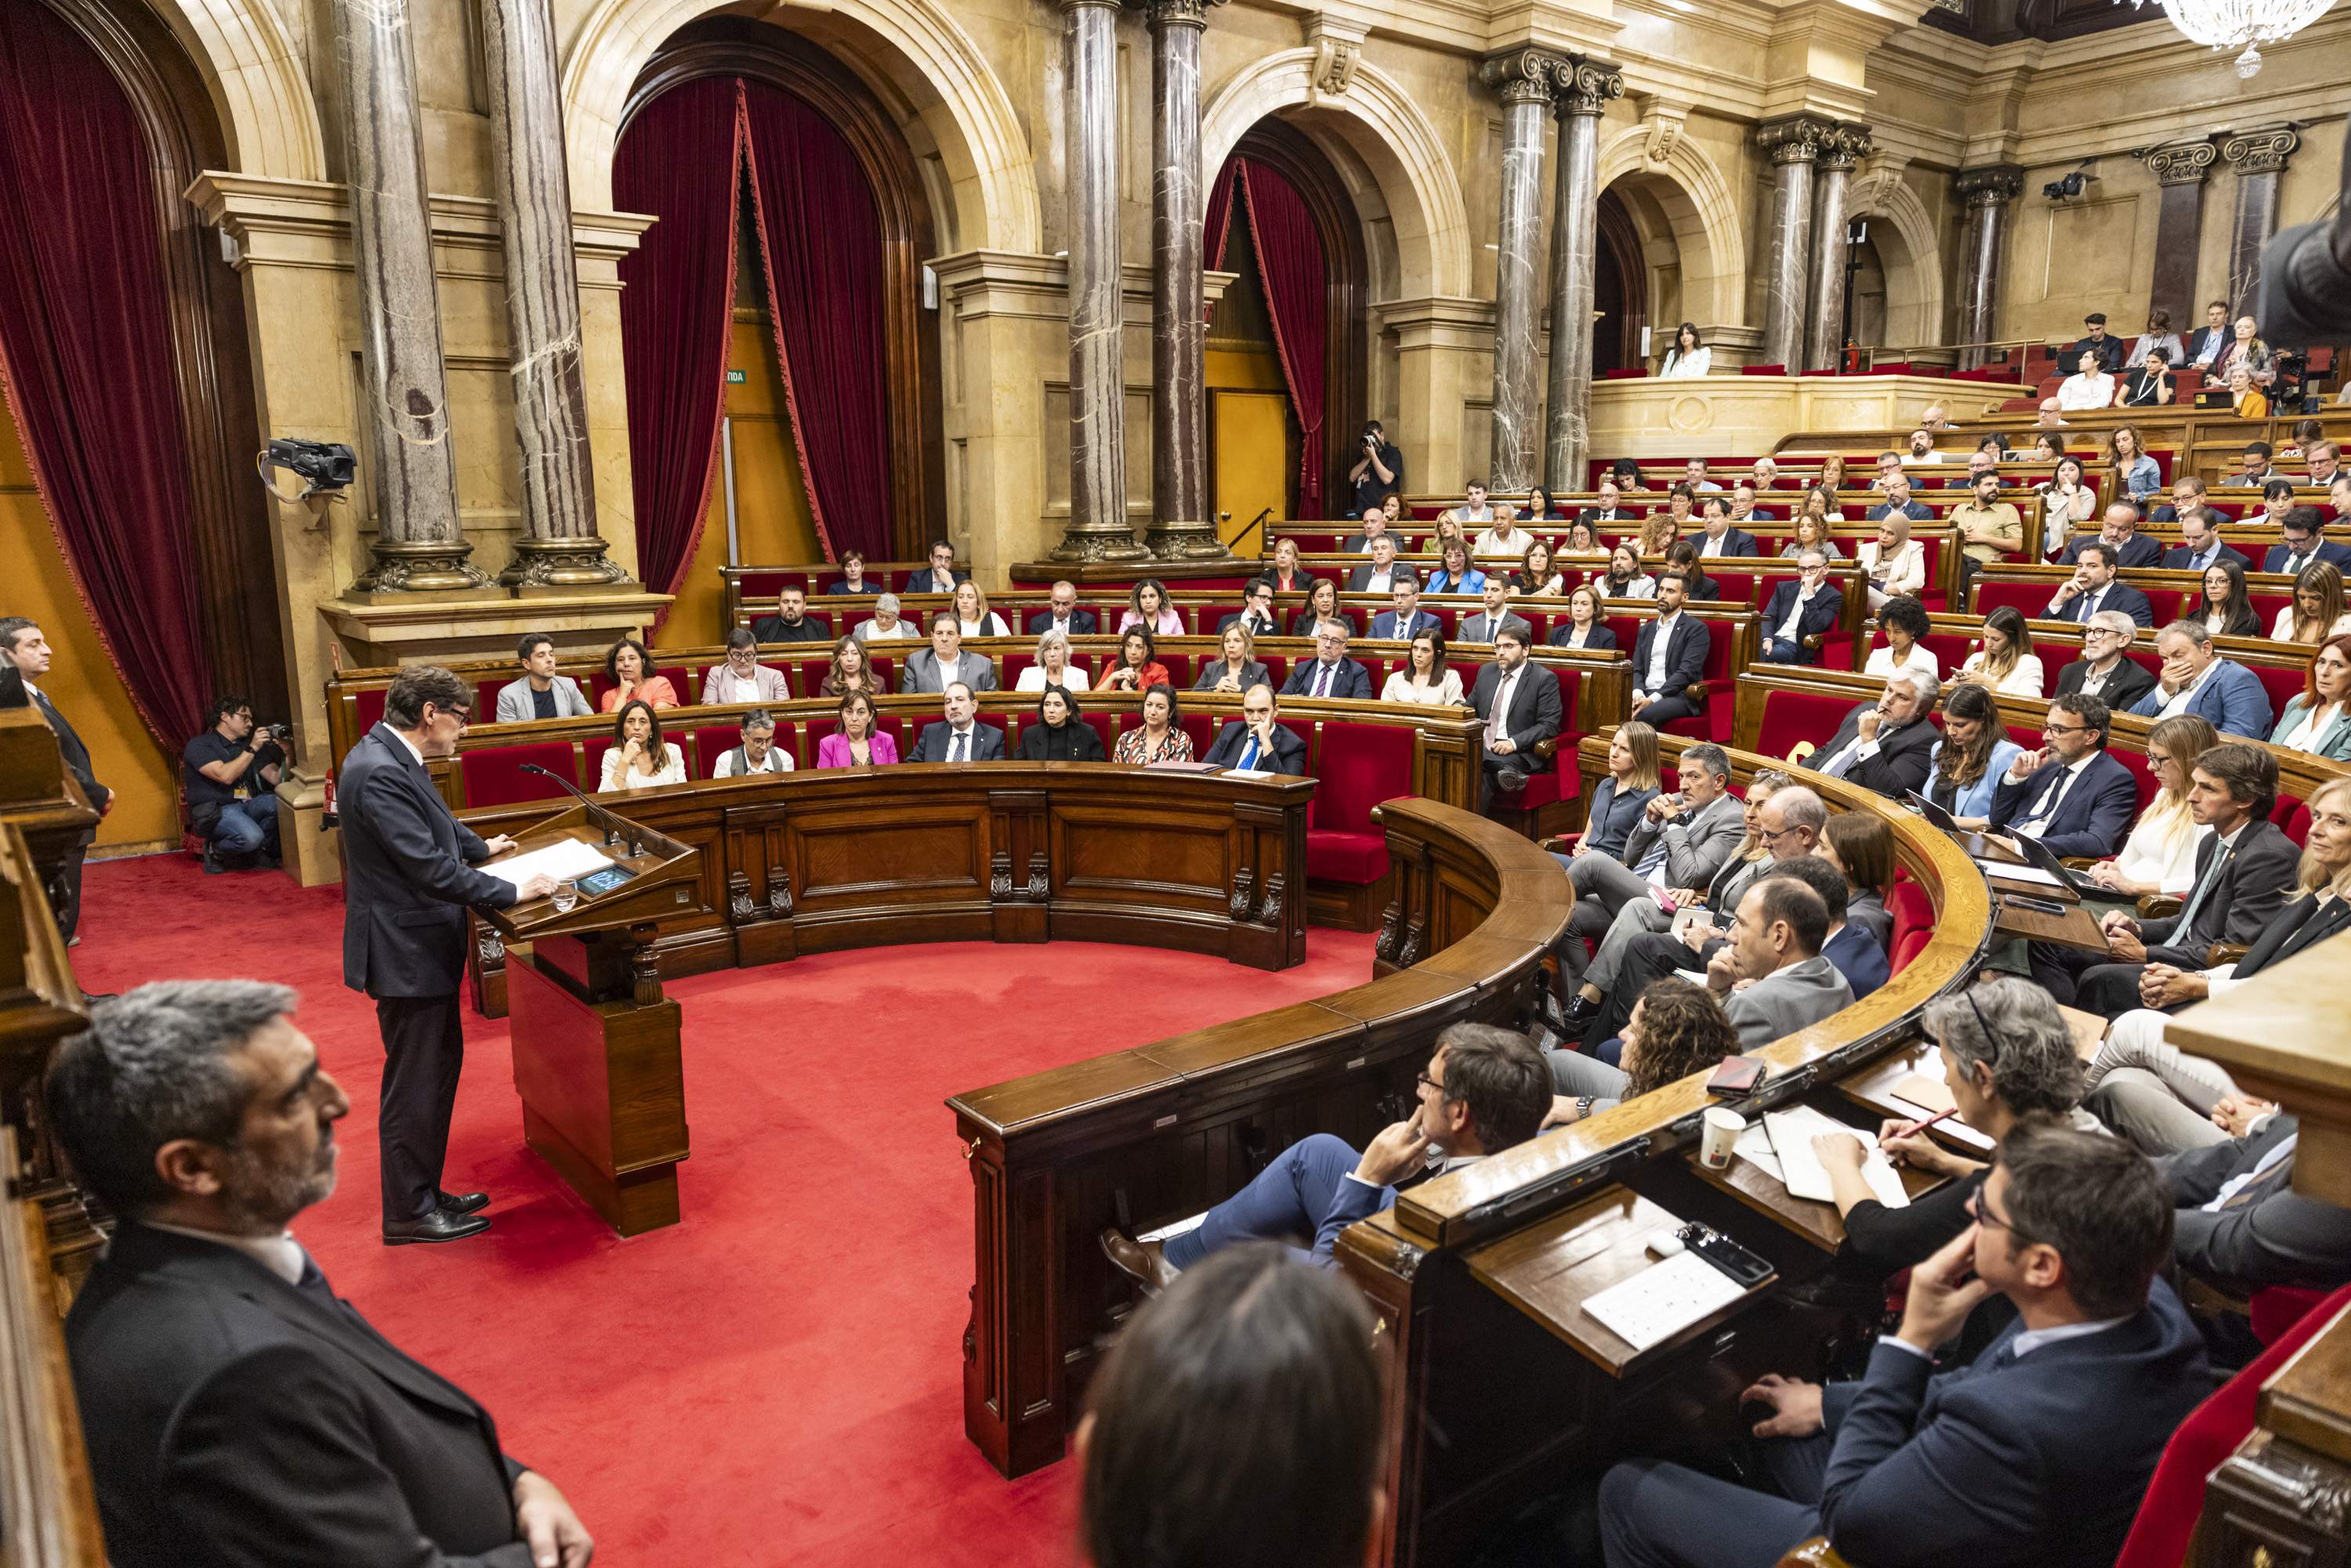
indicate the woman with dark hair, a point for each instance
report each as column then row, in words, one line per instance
column 2227, row 609
column 1137, row 665
column 2067, row 504
column 638, row 758
column 1148, row 606
column 1964, row 770
column 1160, row 736
column 859, row 742
column 1689, row 356
column 1904, row 620
column 1535, row 578
column 1581, row 539
column 1582, row 628
column 1809, row 531
column 1321, row 604
column 1676, row 1029
column 629, row 667
column 1540, row 507
column 2318, row 720
column 1059, row 735
column 2136, row 475
column 1860, row 846
column 2006, row 663
column 851, row 672
column 1628, row 474
column 1426, row 679
column 1684, row 558
column 1455, row 574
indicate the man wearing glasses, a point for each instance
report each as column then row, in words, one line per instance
column 408, row 879
column 2105, row 671
column 2069, row 794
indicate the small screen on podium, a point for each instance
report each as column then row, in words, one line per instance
column 597, row 882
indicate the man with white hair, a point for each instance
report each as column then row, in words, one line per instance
column 887, row 624
column 2119, row 533
column 2106, row 670
column 1884, row 745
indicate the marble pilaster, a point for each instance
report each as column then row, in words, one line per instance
column 561, row 551
column 1098, row 527
column 1523, row 81
column 419, row 546
column 1182, row 528
column 1793, row 145
column 1585, row 87
column 1988, row 193
column 2181, row 171
column 1841, row 148
column 2258, row 157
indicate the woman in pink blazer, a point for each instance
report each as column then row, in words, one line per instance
column 857, row 743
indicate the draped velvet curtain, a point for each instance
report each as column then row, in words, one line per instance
column 678, row 161
column 86, row 362
column 820, row 237
column 1292, row 270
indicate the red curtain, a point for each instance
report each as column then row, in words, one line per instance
column 677, row 161
column 822, row 239
column 1289, row 264
column 86, row 362
column 1218, row 228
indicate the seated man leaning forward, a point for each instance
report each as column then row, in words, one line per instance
column 1485, row 1089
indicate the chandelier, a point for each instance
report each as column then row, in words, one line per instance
column 2225, row 23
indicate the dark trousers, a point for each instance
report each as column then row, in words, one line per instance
column 1649, row 957
column 2080, row 978
column 1284, row 1202
column 424, row 1051
column 1664, row 710
column 1658, row 1515
column 68, row 888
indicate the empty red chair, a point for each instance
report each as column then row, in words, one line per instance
column 711, row 742
column 1357, row 766
column 1790, row 716
column 368, row 702
column 493, row 775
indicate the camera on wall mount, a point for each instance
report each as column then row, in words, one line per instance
column 326, row 469
column 2071, row 185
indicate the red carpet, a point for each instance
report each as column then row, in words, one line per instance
column 775, row 1380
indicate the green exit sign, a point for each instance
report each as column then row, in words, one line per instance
column 734, row 378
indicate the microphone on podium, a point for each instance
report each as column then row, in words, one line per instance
column 609, row 834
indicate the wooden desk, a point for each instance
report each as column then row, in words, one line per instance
column 2069, row 927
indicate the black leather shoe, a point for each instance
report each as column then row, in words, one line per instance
column 438, row 1225
column 462, row 1202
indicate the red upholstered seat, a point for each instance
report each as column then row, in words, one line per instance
column 486, row 697
column 2293, row 816
column 368, row 702
column 756, row 586
column 1202, row 728
column 1565, row 780
column 2277, row 1311
column 1763, row 370
column 1106, row 725
column 1914, row 920
column 492, row 775
column 1179, row 669
column 1356, row 766
column 1789, row 716
column 2283, row 683
column 2029, row 599
column 2141, row 775
column 1277, row 665
column 591, row 762
column 711, row 742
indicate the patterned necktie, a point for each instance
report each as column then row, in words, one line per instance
column 955, row 748
column 1322, row 680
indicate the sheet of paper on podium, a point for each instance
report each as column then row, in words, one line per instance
column 1660, row 1301
column 565, row 857
column 1800, row 1170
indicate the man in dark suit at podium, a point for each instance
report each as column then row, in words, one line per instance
column 23, row 647
column 1254, row 741
column 408, row 877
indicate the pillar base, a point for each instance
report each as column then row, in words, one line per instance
column 558, row 568
column 1187, row 541
column 439, row 567
column 1111, row 543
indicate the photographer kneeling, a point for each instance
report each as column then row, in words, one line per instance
column 230, row 773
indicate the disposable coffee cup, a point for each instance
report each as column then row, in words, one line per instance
column 1718, row 1135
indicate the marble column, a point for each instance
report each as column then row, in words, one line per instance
column 1585, row 89
column 1841, row 148
column 1987, row 192
column 419, row 547
column 1182, row 527
column 1794, row 145
column 1098, row 527
column 561, row 551
column 2258, row 157
column 1523, row 79
column 2181, row 170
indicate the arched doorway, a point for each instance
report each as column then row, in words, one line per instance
column 1619, row 290
column 1866, row 303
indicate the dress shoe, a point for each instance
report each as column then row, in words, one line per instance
column 438, row 1225
column 462, row 1202
column 1510, row 780
column 1141, row 1261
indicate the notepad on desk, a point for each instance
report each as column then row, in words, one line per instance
column 1661, row 1301
column 1800, row 1170
column 2031, row 874
column 1930, row 1097
column 564, row 860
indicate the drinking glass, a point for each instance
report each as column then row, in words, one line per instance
column 566, row 894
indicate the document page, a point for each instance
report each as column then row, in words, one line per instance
column 1800, row 1169
column 1660, row 1301
column 565, row 859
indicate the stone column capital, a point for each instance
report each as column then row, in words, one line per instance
column 2183, row 162
column 1523, row 76
column 1843, row 146
column 1584, row 86
column 1796, row 140
column 1160, row 13
column 2261, row 152
column 1994, row 185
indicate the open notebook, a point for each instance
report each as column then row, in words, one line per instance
column 1791, row 1133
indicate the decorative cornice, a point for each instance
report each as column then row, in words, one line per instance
column 2183, row 162
column 1793, row 141
column 1522, row 76
column 1584, row 86
column 1993, row 185
column 1843, row 146
column 2261, row 152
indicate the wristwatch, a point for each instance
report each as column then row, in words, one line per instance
column 1584, row 1106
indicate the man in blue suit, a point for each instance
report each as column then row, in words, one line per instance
column 1719, row 537
column 2093, row 588
column 1669, row 658
column 1485, row 1089
column 1408, row 620
column 1897, row 500
column 2197, row 680
column 2199, row 546
column 2305, row 529
column 2069, row 794
column 2037, row 1452
column 1800, row 611
column 1520, row 701
column 2124, row 544
column 1851, row 949
column 1330, row 674
column 1255, row 742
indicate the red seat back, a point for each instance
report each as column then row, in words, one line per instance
column 2293, row 816
column 2028, row 598
column 2141, row 775
column 1789, row 716
column 2283, row 682
column 1203, row 729
column 1104, row 725
column 368, row 702
column 713, row 741
column 1358, row 765
column 492, row 775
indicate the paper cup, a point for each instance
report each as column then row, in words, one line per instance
column 1718, row 1135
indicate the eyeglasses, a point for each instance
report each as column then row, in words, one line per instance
column 1772, row 835
column 2054, row 728
column 1991, row 1221
column 1425, row 1081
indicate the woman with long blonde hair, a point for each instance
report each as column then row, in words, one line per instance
column 2159, row 856
column 2316, row 613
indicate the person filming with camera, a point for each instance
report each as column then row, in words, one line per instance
column 230, row 775
column 1378, row 472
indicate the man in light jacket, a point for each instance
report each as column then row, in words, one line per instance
column 540, row 693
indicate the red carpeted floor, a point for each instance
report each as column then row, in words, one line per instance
column 775, row 1380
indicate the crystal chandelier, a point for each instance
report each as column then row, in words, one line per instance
column 2225, row 23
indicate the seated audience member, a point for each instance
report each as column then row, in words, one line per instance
column 2323, row 457
column 2338, row 496
column 1379, row 577
column 941, row 576
column 1255, row 743
column 2107, row 353
column 2006, row 663
column 2160, row 855
column 2196, row 679
column 2204, row 345
column 2106, row 670
column 1696, row 584
column 1505, row 540
column 236, row 1409
column 1256, row 616
column 2251, row 402
column 958, row 735
column 1766, row 471
column 1137, row 665
column 2037, row 1451
column 2069, row 794
column 791, row 622
column 2189, row 493
column 1904, row 620
column 1801, row 613
column 2068, row 501
column 1660, row 531
column 1581, row 627
column 1620, row 800
column 740, row 677
column 851, row 669
column 1404, row 621
column 1538, row 577
column 1676, row 1028
column 1475, row 507
column 1257, row 1377
column 2244, row 868
column 1893, row 562
column 1375, row 527
column 639, row 758
column 1850, row 949
column 630, row 669
column 1060, row 735
column 887, row 624
column 1235, row 667
column 2225, row 607
column 1330, row 674
column 2240, row 1225
column 759, row 753
column 1689, row 357
column 1813, row 533
column 1743, row 505
column 1540, row 507
column 859, row 742
column 1884, row 745
column 943, row 662
column 2318, row 720
column 2305, row 544
column 2247, row 350
column 2316, row 613
column 2159, row 339
column 229, row 776
column 2125, row 545
column 1149, row 607
column 2049, row 417
column 1889, row 468
column 1425, row 678
column 1669, row 658
column 1860, row 845
column 1627, row 475
column 1694, row 477
column 1063, row 615
column 1321, row 604
column 1053, row 666
column 1624, row 579
column 852, row 576
column 1485, row 1091
column 539, row 692
column 2255, row 470
column 1986, row 527
column 1610, row 509
column 1454, row 574
column 1897, row 503
column 1520, row 701
column 1964, row 768
column 1160, row 736
column 2093, row 588
column 1288, row 575
column 2151, row 385
column 2089, row 387
column 2200, row 546
column 1717, row 537
column 2137, row 475
column 1775, row 943
column 2277, row 500
column 1481, row 627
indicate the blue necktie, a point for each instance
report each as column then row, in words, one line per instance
column 1248, row 754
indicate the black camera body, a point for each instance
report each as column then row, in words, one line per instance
column 320, row 465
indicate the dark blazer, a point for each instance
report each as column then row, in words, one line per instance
column 926, row 581
column 1735, row 540
column 1595, row 515
column 2297, row 924
column 1612, row 816
column 1903, row 760
column 2252, row 883
column 1696, row 584
column 1076, row 741
column 1917, row 511
column 1254, row 673
column 2275, row 1237
column 2111, row 351
column 1684, row 657
column 1352, row 680
column 1602, row 637
column 2327, row 550
column 771, row 629
column 2181, row 558
column 1534, row 717
column 1272, row 628
column 2119, row 596
column 987, row 742
column 2139, row 549
column 1289, row 750
column 2092, row 819
column 2130, row 680
column 1385, row 624
column 1854, row 953
column 408, row 874
column 1360, row 580
column 1303, row 623
column 2217, row 337
column 1082, row 622
column 873, row 586
column 71, row 751
column 1819, row 615
column 233, row 1418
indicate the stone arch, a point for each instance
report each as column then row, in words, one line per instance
column 1379, row 123
column 1914, row 266
column 1689, row 191
column 911, row 52
column 247, row 62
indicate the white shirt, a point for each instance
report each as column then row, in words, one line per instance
column 1787, row 632
column 1697, row 363
column 778, row 760
column 1378, row 582
column 2155, row 851
column 2023, row 680
column 2052, row 796
column 1930, row 455
column 1658, row 650
column 281, row 1254
column 1920, row 658
column 1905, row 573
column 868, row 629
column 2282, row 630
column 397, row 734
column 2305, row 734
column 734, row 688
column 2178, row 702
column 672, row 769
column 1497, row 541
column 2093, row 682
column 2078, row 390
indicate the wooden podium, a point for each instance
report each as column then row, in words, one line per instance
column 596, row 1055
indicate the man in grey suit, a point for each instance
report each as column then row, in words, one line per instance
column 943, row 662
column 1775, row 941
column 1486, row 625
column 2240, row 1223
column 959, row 737
column 540, row 693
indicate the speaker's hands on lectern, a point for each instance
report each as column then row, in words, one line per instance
column 537, row 885
column 499, row 845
